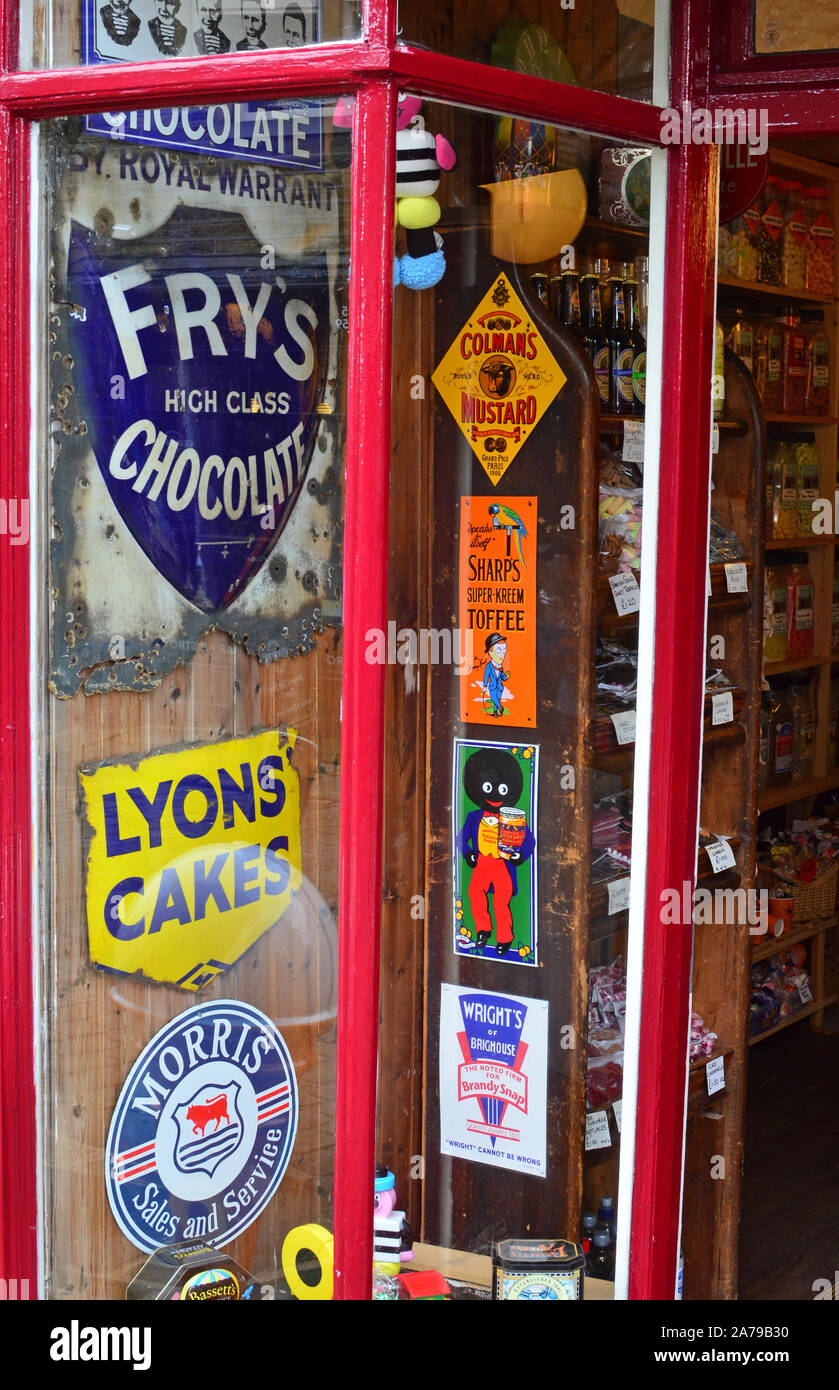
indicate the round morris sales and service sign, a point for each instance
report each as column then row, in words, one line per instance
column 203, row 1129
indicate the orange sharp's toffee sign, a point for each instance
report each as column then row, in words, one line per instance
column 498, row 378
column 497, row 597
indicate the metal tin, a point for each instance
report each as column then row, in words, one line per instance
column 537, row 1269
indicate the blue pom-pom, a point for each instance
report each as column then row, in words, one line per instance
column 397, row 273
column 421, row 272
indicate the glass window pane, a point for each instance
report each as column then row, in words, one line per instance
column 64, row 33
column 520, row 408
column 606, row 45
column 191, row 496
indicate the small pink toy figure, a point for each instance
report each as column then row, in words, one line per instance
column 393, row 1238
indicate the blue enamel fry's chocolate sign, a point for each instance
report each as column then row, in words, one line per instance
column 195, row 382
column 175, row 329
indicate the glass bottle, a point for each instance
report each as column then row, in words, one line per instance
column 622, row 351
column 781, row 737
column 639, row 346
column 774, row 368
column 718, row 379
column 597, row 344
column 817, row 384
column 761, row 354
column 803, row 726
column 774, row 614
column 807, row 480
column 741, row 339
column 568, row 302
column 794, row 363
column 800, row 611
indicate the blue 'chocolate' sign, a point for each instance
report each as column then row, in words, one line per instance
column 270, row 132
column 172, row 338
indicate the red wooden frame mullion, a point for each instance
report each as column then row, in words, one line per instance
column 18, row 1165
column 363, row 684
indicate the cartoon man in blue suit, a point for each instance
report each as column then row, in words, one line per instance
column 494, row 674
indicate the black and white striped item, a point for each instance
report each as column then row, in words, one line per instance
column 417, row 170
column 387, row 1236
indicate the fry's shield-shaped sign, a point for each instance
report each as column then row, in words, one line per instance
column 200, row 376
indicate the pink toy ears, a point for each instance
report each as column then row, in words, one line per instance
column 446, row 156
column 409, row 107
column 343, row 113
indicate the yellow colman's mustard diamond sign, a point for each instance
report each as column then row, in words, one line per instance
column 498, row 378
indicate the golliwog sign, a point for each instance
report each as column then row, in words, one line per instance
column 194, row 343
column 203, row 1128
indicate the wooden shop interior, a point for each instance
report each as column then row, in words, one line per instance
column 762, row 1134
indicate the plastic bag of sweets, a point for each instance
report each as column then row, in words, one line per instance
column 702, row 1040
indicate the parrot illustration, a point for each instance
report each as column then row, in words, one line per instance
column 512, row 522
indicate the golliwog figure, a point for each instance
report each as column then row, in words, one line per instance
column 420, row 159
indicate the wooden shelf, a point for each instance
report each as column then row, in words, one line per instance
column 795, row 663
column 772, row 945
column 805, row 421
column 814, row 1008
column 800, row 542
column 771, row 797
column 728, row 282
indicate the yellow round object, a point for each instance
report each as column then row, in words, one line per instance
column 312, row 1240
column 414, row 213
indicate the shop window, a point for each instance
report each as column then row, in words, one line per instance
column 605, row 45
column 520, row 405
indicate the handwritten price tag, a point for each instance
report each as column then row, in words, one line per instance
column 715, row 438
column 715, row 1075
column 721, row 855
column 624, row 722
column 736, row 578
column 722, row 708
column 618, row 893
column 617, row 1107
column 625, row 592
column 597, row 1130
column 633, row 441
column 805, row 993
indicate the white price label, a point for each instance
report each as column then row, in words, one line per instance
column 618, row 892
column 597, row 1130
column 805, row 993
column 715, row 438
column 625, row 592
column 721, row 855
column 624, row 722
column 617, row 1106
column 736, row 578
column 722, row 708
column 633, row 441
column 715, row 1075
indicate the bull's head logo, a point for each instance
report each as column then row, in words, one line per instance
column 210, row 1128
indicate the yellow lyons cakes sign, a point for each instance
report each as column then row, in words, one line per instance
column 192, row 855
column 498, row 378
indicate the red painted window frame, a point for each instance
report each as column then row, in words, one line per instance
column 375, row 68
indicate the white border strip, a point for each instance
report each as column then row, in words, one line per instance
column 643, row 727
